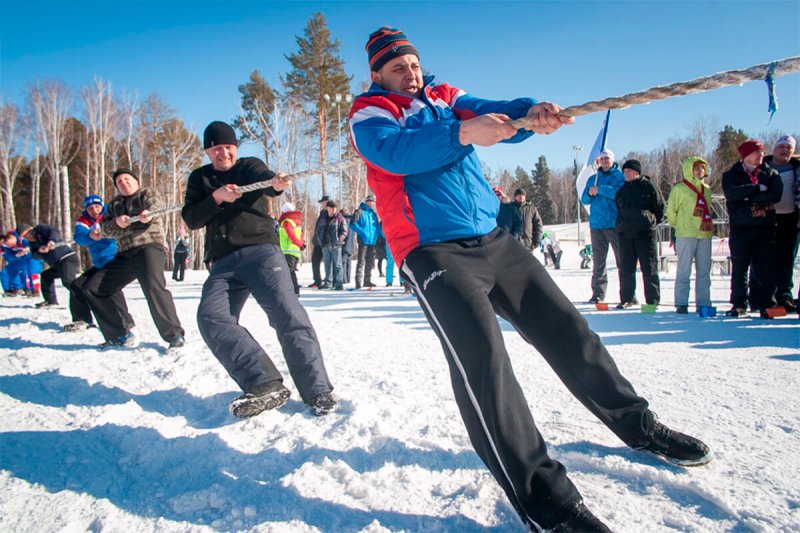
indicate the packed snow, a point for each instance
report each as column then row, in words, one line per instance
column 135, row 439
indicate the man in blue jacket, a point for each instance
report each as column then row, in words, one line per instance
column 600, row 193
column 365, row 225
column 439, row 216
column 102, row 250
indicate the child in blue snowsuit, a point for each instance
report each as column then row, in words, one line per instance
column 17, row 254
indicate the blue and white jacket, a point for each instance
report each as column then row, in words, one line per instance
column 429, row 188
column 102, row 251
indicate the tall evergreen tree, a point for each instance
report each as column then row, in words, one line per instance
column 258, row 103
column 725, row 154
column 541, row 191
column 523, row 181
column 317, row 70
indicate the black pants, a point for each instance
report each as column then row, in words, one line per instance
column 461, row 287
column 91, row 279
column 292, row 262
column 364, row 263
column 754, row 244
column 66, row 269
column 347, row 265
column 785, row 253
column 179, row 269
column 638, row 248
column 555, row 256
column 316, row 264
column 259, row 270
column 144, row 263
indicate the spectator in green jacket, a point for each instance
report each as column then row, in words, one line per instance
column 689, row 212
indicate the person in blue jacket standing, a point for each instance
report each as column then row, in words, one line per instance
column 438, row 212
column 365, row 225
column 102, row 250
column 600, row 194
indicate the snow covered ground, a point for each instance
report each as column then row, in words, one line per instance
column 134, row 440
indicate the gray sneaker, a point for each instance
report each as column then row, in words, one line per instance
column 126, row 341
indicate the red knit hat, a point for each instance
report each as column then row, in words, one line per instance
column 750, row 146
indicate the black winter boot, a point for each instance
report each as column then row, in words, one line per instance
column 261, row 398
column 676, row 447
column 579, row 519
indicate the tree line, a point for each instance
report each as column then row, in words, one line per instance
column 63, row 144
column 556, row 197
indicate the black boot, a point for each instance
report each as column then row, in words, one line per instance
column 676, row 447
column 261, row 398
column 579, row 519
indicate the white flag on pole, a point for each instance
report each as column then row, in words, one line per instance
column 589, row 167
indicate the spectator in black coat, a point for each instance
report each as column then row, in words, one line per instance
column 181, row 251
column 640, row 208
column 333, row 240
column 751, row 190
column 348, row 248
column 316, row 250
column 509, row 217
column 532, row 227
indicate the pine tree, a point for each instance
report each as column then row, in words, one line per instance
column 318, row 70
column 725, row 154
column 541, row 191
column 523, row 181
column 258, row 103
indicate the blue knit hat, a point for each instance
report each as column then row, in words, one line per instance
column 385, row 44
column 92, row 199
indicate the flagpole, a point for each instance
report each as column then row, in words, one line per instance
column 577, row 149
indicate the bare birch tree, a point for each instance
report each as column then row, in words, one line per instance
column 50, row 104
column 102, row 117
column 36, row 186
column 128, row 111
column 182, row 152
column 153, row 115
column 12, row 139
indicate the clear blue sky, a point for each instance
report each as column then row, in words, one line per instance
column 195, row 53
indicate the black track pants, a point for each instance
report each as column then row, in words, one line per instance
column 461, row 287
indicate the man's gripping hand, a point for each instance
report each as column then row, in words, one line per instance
column 281, row 182
column 226, row 193
column 546, row 119
column 485, row 130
